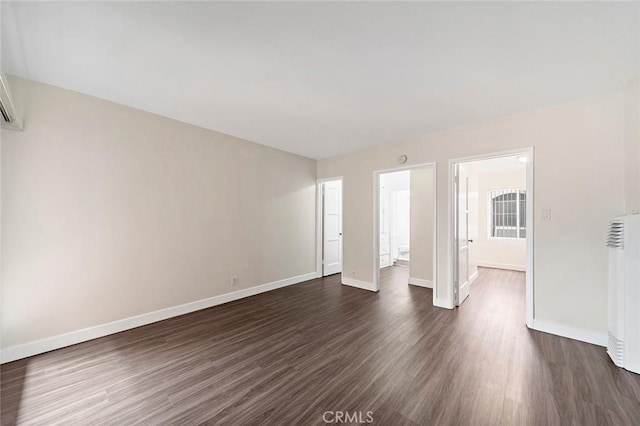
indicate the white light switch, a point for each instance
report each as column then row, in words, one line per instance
column 546, row 215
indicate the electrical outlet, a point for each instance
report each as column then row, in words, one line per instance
column 234, row 281
column 546, row 215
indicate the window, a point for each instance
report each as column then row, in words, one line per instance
column 508, row 209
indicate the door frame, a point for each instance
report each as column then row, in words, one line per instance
column 320, row 222
column 529, row 290
column 376, row 220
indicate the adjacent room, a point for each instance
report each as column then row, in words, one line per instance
column 406, row 224
column 492, row 222
column 395, row 217
column 319, row 213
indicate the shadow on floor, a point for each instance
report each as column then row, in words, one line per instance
column 12, row 377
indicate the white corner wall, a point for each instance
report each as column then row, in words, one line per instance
column 578, row 155
column 110, row 212
column 632, row 145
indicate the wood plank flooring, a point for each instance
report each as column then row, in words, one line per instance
column 288, row 356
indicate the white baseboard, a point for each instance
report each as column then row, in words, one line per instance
column 421, row 282
column 358, row 284
column 521, row 268
column 575, row 333
column 56, row 342
column 473, row 277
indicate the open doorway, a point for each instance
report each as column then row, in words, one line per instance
column 329, row 259
column 404, row 227
column 492, row 232
column 395, row 217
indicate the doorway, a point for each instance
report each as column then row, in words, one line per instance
column 329, row 260
column 395, row 217
column 492, row 221
column 404, row 224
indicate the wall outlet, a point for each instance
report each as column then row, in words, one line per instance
column 546, row 215
column 234, row 281
column 353, row 274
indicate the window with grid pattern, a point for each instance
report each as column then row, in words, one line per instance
column 508, row 209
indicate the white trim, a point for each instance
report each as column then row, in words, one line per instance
column 376, row 231
column 442, row 303
column 56, row 342
column 530, row 230
column 529, row 292
column 473, row 277
column 575, row 333
column 364, row 285
column 320, row 219
column 435, row 233
column 520, row 268
column 420, row 282
column 376, row 221
column 450, row 299
column 319, row 223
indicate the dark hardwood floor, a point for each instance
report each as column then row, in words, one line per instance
column 288, row 356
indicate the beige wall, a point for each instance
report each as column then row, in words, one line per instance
column 496, row 252
column 110, row 212
column 632, row 145
column 578, row 153
column 422, row 212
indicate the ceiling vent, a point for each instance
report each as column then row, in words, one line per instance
column 9, row 119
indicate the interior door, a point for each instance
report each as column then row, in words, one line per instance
column 332, row 228
column 461, row 231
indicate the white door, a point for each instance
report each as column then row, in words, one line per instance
column 332, row 228
column 461, row 235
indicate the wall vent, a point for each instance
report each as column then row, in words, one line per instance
column 615, row 238
column 9, row 119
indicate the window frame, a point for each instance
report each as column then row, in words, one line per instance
column 518, row 190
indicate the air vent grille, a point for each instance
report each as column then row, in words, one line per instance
column 8, row 118
column 615, row 238
column 616, row 350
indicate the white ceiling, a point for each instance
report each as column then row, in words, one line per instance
column 322, row 79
